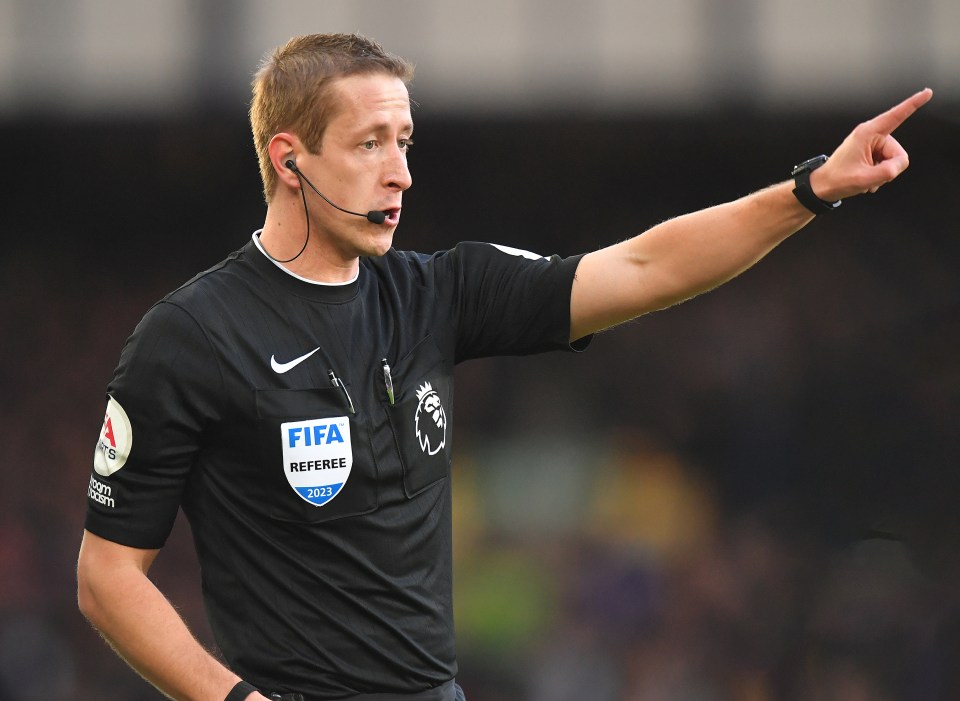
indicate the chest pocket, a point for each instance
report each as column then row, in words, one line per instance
column 320, row 463
column 422, row 416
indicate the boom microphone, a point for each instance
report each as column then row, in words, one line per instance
column 375, row 216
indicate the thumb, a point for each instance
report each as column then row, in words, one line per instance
column 889, row 152
column 894, row 166
column 887, row 171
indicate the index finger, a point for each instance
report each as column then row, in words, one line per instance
column 886, row 122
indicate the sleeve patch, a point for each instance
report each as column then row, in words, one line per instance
column 116, row 439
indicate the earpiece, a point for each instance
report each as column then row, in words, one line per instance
column 291, row 165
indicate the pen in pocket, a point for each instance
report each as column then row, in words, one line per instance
column 337, row 382
column 387, row 380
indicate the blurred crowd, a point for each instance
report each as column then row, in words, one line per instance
column 749, row 497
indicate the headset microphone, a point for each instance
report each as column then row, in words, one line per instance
column 374, row 215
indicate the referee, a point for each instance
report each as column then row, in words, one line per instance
column 296, row 399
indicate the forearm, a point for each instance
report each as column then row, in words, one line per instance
column 681, row 258
column 140, row 624
column 694, row 253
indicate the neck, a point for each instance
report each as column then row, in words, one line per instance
column 283, row 237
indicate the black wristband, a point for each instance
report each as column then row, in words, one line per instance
column 241, row 691
column 802, row 190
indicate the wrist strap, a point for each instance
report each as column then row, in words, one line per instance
column 808, row 198
column 241, row 691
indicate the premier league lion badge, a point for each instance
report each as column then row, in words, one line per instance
column 430, row 420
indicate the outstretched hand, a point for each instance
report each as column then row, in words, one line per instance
column 869, row 157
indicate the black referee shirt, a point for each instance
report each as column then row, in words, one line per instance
column 257, row 401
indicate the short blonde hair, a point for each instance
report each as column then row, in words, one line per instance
column 291, row 89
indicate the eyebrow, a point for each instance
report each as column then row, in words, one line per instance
column 382, row 126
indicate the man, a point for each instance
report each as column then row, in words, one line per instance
column 295, row 400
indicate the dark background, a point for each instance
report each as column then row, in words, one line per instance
column 751, row 496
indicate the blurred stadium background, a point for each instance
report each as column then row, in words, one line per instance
column 751, row 496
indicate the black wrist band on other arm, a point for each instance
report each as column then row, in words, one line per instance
column 241, row 691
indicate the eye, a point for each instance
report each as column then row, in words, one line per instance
column 405, row 144
column 369, row 145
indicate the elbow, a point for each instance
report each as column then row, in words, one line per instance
column 97, row 577
column 108, row 575
column 86, row 591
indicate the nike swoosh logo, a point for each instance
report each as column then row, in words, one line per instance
column 281, row 368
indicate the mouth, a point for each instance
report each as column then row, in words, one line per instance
column 392, row 216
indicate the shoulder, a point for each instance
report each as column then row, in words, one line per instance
column 226, row 275
column 182, row 318
column 165, row 335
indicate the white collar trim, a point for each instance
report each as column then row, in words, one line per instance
column 256, row 242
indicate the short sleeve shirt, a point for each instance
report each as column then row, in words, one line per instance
column 319, row 499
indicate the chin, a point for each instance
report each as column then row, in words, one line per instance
column 379, row 245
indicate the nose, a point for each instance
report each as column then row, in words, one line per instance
column 397, row 172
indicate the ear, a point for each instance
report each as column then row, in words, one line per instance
column 282, row 148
